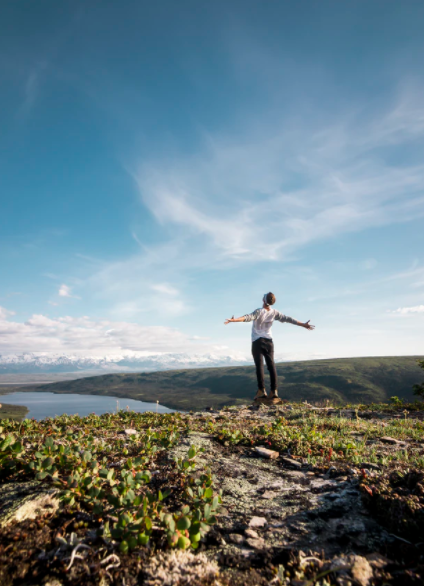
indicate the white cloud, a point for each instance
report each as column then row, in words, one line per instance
column 265, row 194
column 409, row 310
column 65, row 291
column 4, row 313
column 81, row 334
column 166, row 289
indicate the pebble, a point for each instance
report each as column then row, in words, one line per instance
column 236, row 538
column 362, row 571
column 251, row 533
column 369, row 466
column 256, row 543
column 265, row 453
column 257, row 522
column 390, row 440
column 291, row 462
column 129, row 432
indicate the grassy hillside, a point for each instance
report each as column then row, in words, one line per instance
column 343, row 380
column 17, row 412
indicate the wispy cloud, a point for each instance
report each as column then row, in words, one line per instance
column 4, row 313
column 409, row 310
column 166, row 289
column 368, row 264
column 149, row 281
column 32, row 88
column 266, row 194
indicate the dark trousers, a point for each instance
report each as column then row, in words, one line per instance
column 264, row 348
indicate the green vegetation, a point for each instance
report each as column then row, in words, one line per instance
column 76, row 455
column 107, row 471
column 341, row 381
column 419, row 389
column 17, row 412
column 312, row 435
column 133, row 484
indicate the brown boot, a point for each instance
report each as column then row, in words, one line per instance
column 261, row 394
column 274, row 395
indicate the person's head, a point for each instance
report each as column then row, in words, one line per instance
column 268, row 299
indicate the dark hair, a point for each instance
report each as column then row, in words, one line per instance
column 270, row 298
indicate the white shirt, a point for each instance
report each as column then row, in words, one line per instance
column 262, row 322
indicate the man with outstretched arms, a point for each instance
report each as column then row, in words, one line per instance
column 262, row 344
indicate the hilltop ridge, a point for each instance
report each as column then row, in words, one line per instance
column 340, row 380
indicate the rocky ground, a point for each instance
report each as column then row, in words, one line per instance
column 281, row 494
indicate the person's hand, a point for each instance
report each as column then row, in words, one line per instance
column 228, row 320
column 308, row 326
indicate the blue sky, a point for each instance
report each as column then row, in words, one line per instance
column 165, row 164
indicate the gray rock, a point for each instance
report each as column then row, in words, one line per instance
column 25, row 500
column 323, row 485
column 298, row 477
column 269, row 494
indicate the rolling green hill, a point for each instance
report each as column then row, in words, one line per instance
column 342, row 380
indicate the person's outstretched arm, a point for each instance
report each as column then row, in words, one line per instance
column 286, row 319
column 233, row 319
column 247, row 317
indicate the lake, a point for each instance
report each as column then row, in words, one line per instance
column 45, row 404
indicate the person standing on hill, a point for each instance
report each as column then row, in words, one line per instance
column 262, row 344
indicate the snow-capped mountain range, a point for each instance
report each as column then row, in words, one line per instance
column 32, row 363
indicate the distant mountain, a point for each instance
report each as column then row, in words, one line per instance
column 32, row 363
